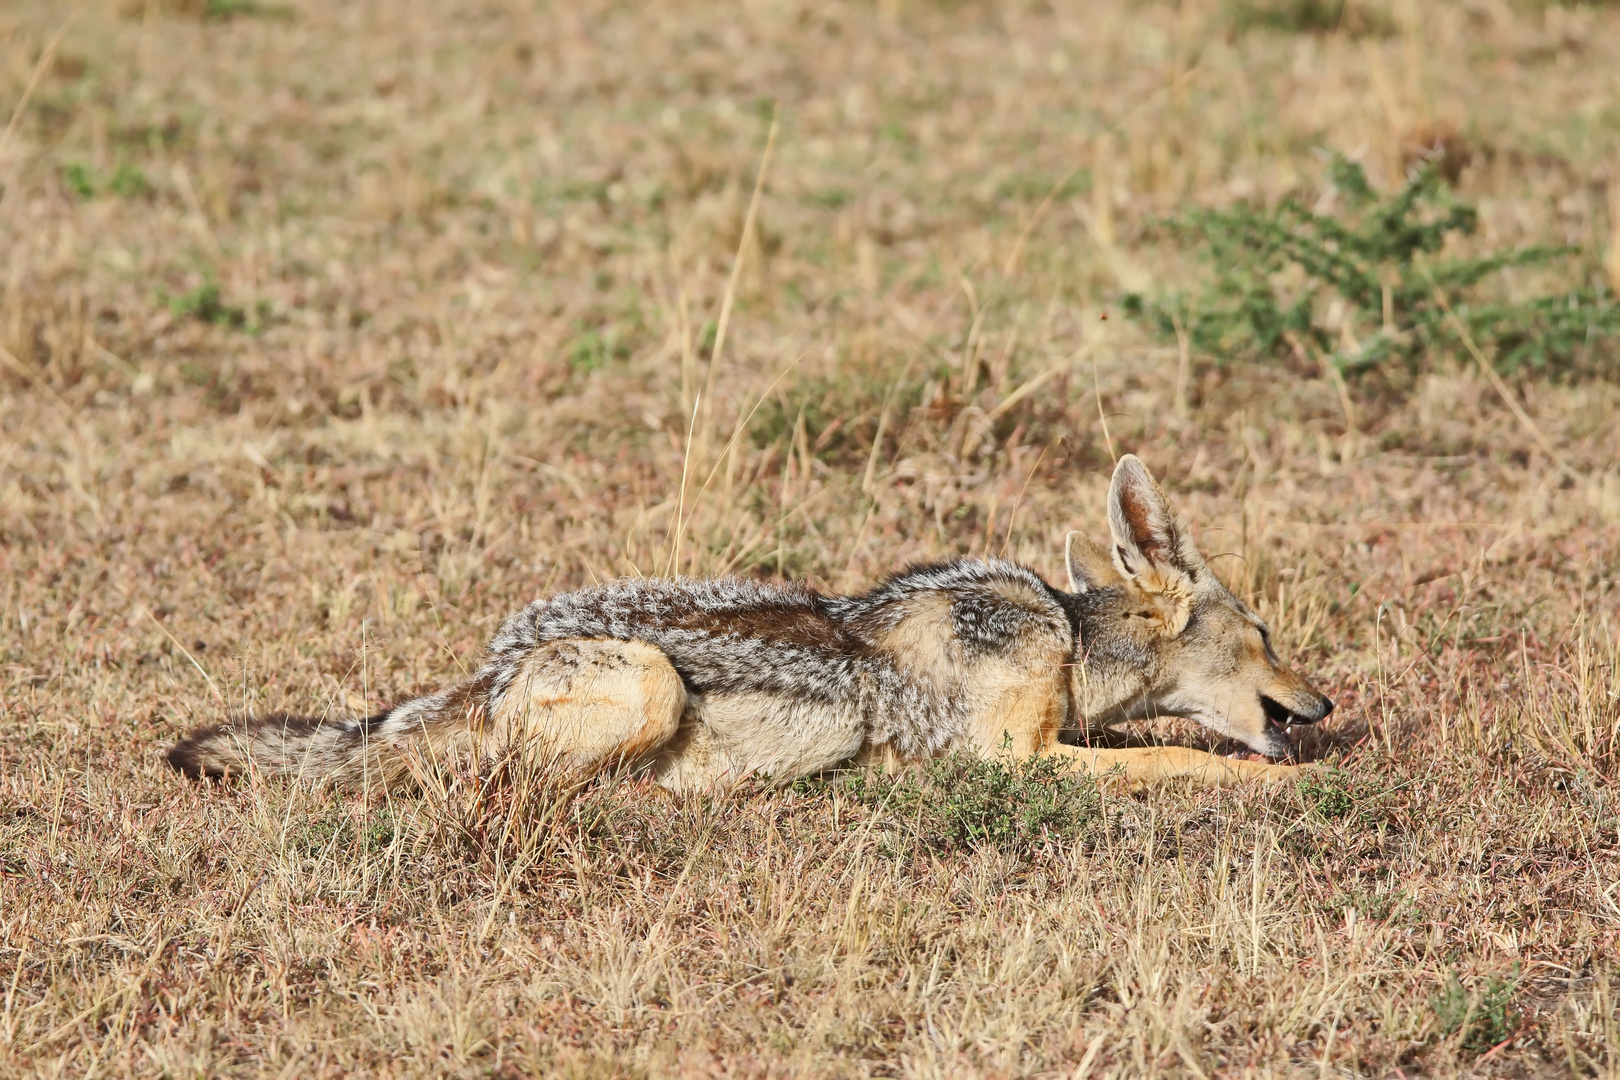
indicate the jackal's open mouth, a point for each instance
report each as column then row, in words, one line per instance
column 1279, row 715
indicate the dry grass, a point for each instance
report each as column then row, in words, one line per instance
column 333, row 332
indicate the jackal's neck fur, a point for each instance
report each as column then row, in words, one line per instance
column 1112, row 671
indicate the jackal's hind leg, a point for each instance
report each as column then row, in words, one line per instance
column 589, row 704
column 1144, row 765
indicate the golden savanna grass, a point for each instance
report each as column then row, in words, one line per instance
column 334, row 332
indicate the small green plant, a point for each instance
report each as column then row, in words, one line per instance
column 78, row 177
column 1484, row 1015
column 128, row 182
column 206, row 303
column 1328, row 793
column 340, row 832
column 593, row 349
column 830, row 199
column 1393, row 906
column 964, row 801
column 1309, row 17
column 208, row 10
column 1372, row 285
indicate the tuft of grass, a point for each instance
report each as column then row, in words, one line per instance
column 1309, row 17
column 210, row 10
column 962, row 802
column 206, row 303
column 127, row 181
column 1327, row 792
column 78, row 178
column 510, row 814
column 340, row 831
column 593, row 350
column 1481, row 1015
column 1372, row 283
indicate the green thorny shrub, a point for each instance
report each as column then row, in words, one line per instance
column 964, row 801
column 1277, row 273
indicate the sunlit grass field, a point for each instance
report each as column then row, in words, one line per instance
column 332, row 333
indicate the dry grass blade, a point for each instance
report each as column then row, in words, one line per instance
column 40, row 68
column 729, row 298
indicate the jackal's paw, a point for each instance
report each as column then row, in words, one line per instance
column 1269, row 770
column 1290, row 764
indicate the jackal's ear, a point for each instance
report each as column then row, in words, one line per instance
column 1151, row 545
column 1088, row 564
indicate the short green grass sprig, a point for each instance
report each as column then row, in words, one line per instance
column 1483, row 1013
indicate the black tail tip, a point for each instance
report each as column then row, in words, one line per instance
column 197, row 755
column 186, row 757
column 223, row 751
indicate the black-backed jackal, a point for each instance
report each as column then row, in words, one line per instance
column 704, row 683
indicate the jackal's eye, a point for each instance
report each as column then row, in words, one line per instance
column 1265, row 641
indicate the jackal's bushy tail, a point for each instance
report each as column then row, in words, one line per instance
column 377, row 747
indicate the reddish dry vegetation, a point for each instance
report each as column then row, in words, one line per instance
column 334, row 332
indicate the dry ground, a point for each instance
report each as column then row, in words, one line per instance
column 333, row 332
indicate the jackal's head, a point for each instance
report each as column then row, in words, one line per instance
column 1163, row 636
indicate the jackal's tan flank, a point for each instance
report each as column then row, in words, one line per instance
column 704, row 683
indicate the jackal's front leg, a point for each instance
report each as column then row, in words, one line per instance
column 1140, row 766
